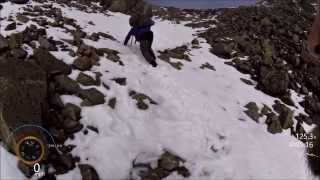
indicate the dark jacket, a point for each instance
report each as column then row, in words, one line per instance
column 137, row 32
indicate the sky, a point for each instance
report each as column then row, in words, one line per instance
column 202, row 4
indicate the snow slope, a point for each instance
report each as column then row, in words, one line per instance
column 198, row 110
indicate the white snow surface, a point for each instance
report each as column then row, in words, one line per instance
column 195, row 109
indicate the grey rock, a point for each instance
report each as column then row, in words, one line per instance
column 265, row 110
column 274, row 124
column 183, row 171
column 66, row 84
column 71, row 126
column 58, row 134
column 141, row 98
column 120, row 81
column 252, row 111
column 94, row 129
column 195, row 42
column 222, row 50
column 67, row 161
column 93, row 96
column 72, row 112
column 11, row 26
column 50, row 63
column 274, row 82
column 45, row 44
column 111, row 54
column 304, row 90
column 112, row 102
column 72, row 53
column 107, row 36
column 22, row 18
column 286, row 115
column 208, row 66
column 168, row 161
column 55, row 101
column 246, row 81
column 83, row 63
column 88, row 172
column 86, row 80
column 94, row 37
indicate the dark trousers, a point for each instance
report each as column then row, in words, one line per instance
column 146, row 41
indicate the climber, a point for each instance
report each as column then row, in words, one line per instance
column 141, row 23
column 314, row 38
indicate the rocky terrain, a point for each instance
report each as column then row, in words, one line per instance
column 48, row 80
column 268, row 42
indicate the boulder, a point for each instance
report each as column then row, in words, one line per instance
column 45, row 44
column 107, row 36
column 83, row 63
column 265, row 110
column 286, row 115
column 66, row 162
column 252, row 111
column 274, row 82
column 120, row 81
column 88, row 172
column 274, row 124
column 222, row 50
column 72, row 112
column 142, row 100
column 92, row 97
column 169, row 161
column 71, row 126
column 86, row 80
column 66, row 85
column 112, row 103
column 55, row 101
column 50, row 63
column 11, row 26
column 22, row 18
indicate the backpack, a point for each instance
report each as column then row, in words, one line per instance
column 142, row 16
column 136, row 21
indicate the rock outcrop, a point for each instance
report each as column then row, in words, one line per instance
column 23, row 94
